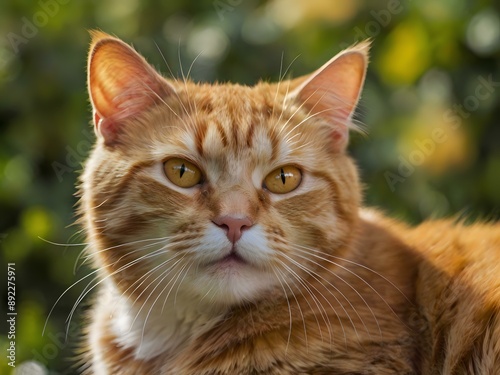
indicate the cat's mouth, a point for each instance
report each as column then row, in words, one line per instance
column 233, row 259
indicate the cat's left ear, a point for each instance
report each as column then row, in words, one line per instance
column 121, row 85
column 333, row 91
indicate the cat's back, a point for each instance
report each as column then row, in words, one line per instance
column 458, row 293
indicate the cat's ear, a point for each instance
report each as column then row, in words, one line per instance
column 121, row 84
column 333, row 91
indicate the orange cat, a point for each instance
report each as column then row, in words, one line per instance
column 226, row 226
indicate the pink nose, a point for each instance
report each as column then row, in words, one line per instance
column 233, row 226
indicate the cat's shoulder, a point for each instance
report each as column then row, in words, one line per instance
column 446, row 249
column 457, row 287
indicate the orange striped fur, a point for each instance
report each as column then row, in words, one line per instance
column 227, row 276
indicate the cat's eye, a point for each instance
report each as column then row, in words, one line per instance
column 283, row 180
column 182, row 172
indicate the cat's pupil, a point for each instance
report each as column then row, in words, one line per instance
column 182, row 169
column 283, row 177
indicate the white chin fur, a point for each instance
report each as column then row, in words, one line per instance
column 232, row 286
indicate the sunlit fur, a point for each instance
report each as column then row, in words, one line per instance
column 327, row 288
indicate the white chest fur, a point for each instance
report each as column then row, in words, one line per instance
column 153, row 330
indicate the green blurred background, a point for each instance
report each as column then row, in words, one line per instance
column 435, row 65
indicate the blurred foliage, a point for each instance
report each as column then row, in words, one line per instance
column 435, row 65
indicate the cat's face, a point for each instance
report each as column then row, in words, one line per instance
column 216, row 192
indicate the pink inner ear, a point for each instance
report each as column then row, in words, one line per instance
column 121, row 84
column 106, row 127
column 333, row 91
column 97, row 119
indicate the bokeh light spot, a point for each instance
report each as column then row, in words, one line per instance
column 483, row 32
column 37, row 222
column 210, row 42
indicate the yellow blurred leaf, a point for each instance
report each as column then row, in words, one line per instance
column 405, row 54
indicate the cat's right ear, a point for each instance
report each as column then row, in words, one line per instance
column 121, row 84
column 332, row 92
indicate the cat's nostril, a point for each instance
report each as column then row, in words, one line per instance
column 233, row 226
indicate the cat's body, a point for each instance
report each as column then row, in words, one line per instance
column 226, row 224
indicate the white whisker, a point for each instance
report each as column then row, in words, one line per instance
column 159, row 295
column 298, row 306
column 360, row 278
column 306, row 287
column 289, row 312
column 343, row 295
column 122, row 268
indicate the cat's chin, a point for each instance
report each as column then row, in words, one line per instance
column 232, row 280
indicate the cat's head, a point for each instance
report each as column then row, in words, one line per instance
column 216, row 191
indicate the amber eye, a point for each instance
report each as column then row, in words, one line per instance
column 283, row 180
column 182, row 172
